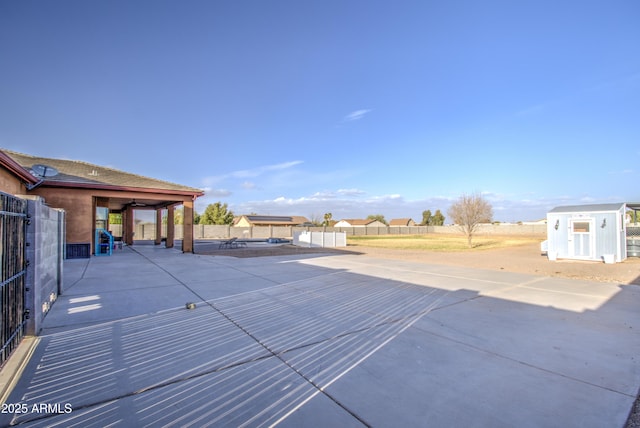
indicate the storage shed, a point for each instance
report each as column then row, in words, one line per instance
column 587, row 232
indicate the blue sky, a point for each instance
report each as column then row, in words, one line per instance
column 348, row 107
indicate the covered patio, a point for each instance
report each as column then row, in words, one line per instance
column 89, row 193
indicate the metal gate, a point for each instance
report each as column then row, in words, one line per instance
column 13, row 225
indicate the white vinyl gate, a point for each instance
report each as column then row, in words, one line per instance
column 320, row 239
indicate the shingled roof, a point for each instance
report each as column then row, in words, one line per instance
column 358, row 221
column 401, row 222
column 262, row 220
column 86, row 175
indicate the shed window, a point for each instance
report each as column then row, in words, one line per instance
column 581, row 227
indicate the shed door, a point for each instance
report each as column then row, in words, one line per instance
column 581, row 238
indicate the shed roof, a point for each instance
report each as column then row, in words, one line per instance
column 588, row 208
column 73, row 173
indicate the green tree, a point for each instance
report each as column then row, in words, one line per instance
column 216, row 213
column 426, row 218
column 327, row 219
column 437, row 219
column 468, row 212
column 115, row 218
column 178, row 216
column 378, row 217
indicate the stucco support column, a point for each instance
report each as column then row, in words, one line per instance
column 171, row 227
column 158, row 240
column 128, row 226
column 187, row 239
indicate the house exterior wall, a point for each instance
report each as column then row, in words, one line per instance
column 243, row 222
column 9, row 183
column 343, row 223
column 79, row 207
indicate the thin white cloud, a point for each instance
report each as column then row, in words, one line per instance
column 587, row 200
column 350, row 192
column 262, row 169
column 342, row 204
column 356, row 115
column 507, row 207
column 323, row 195
column 387, row 197
column 249, row 173
column 217, row 192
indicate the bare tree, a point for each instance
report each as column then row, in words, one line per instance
column 468, row 212
column 315, row 219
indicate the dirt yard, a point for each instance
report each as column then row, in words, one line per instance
column 523, row 258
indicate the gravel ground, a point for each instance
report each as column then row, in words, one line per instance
column 634, row 417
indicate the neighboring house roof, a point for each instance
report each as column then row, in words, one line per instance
column 588, row 208
column 359, row 222
column 401, row 222
column 275, row 220
column 86, row 175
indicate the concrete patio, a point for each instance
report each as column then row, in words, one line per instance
column 327, row 340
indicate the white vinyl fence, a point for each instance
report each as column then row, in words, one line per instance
column 320, row 239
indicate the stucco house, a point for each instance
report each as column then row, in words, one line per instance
column 14, row 179
column 359, row 223
column 89, row 193
column 402, row 222
column 269, row 220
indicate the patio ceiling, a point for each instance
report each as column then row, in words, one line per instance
column 118, row 204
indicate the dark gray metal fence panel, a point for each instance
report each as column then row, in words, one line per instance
column 13, row 266
column 633, row 231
